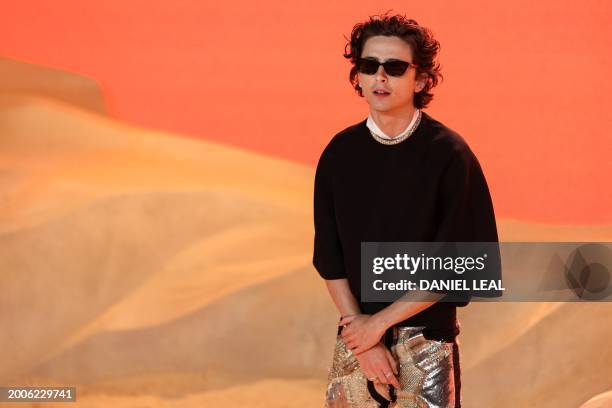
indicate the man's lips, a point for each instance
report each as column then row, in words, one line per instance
column 381, row 91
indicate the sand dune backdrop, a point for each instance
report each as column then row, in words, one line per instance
column 153, row 270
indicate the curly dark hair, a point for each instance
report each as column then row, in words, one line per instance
column 424, row 49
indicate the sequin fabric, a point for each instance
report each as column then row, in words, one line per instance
column 426, row 374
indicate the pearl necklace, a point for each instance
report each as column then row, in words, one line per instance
column 401, row 137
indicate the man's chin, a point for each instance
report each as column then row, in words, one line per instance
column 380, row 105
column 382, row 108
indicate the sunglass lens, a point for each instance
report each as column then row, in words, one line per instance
column 368, row 67
column 395, row 68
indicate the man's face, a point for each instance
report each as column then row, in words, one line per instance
column 401, row 89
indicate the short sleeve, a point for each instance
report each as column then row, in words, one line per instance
column 327, row 258
column 465, row 211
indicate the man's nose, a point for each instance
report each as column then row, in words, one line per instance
column 381, row 74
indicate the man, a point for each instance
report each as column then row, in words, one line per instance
column 399, row 175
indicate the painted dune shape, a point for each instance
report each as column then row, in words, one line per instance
column 138, row 262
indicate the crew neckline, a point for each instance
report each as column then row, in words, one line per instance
column 373, row 126
column 377, row 140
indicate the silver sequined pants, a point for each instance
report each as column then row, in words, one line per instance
column 429, row 374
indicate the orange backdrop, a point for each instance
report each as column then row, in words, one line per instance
column 525, row 81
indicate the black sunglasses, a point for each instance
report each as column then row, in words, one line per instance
column 392, row 67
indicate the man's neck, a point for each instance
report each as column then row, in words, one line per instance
column 393, row 123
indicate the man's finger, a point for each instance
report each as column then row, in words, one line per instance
column 386, row 372
column 380, row 373
column 392, row 362
column 393, row 380
column 367, row 370
column 389, row 378
column 347, row 320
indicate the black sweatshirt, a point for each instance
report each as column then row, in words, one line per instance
column 427, row 188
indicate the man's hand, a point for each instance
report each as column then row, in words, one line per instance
column 378, row 365
column 361, row 332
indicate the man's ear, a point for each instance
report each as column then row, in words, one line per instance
column 420, row 84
